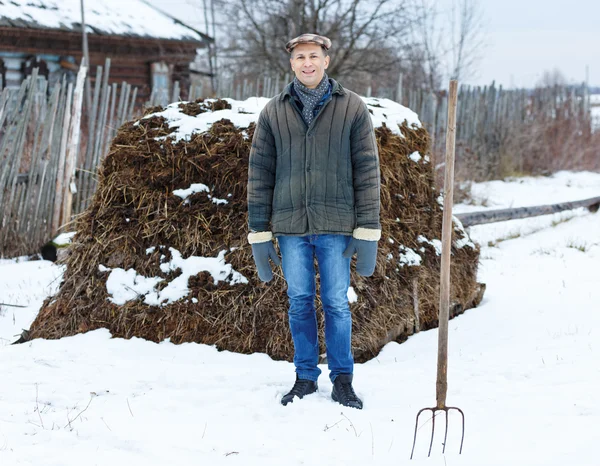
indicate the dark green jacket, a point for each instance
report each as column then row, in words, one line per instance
column 317, row 179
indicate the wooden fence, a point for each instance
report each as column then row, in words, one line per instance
column 48, row 172
column 261, row 86
column 49, row 152
column 487, row 116
column 38, row 142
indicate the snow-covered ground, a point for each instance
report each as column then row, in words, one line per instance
column 528, row 191
column 523, row 367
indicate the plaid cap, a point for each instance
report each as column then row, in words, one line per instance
column 308, row 39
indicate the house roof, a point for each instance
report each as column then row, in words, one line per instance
column 132, row 18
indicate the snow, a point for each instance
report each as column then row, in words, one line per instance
column 390, row 113
column 436, row 243
column 126, row 285
column 23, row 283
column 415, row 157
column 64, row 239
column 14, row 260
column 352, row 296
column 242, row 113
column 529, row 191
column 198, row 188
column 408, row 256
column 523, row 367
column 190, row 12
column 193, row 189
column 131, row 17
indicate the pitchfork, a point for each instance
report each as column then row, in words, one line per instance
column 442, row 362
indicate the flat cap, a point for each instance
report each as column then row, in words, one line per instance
column 308, row 39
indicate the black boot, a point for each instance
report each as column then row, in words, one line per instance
column 301, row 388
column 343, row 392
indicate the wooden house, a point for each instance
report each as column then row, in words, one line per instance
column 148, row 48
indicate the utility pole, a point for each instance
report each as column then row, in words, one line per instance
column 587, row 75
column 210, row 48
column 86, row 56
column 214, row 36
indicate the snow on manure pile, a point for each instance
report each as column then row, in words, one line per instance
column 162, row 252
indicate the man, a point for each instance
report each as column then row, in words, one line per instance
column 313, row 183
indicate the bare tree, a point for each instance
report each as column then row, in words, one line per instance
column 449, row 42
column 467, row 37
column 552, row 78
column 373, row 40
column 425, row 64
column 368, row 36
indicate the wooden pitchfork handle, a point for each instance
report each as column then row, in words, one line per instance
column 447, row 227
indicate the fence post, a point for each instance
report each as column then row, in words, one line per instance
column 73, row 143
column 60, row 175
column 399, row 89
column 176, row 92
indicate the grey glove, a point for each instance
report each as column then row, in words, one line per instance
column 262, row 252
column 366, row 255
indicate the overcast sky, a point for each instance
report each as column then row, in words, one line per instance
column 524, row 38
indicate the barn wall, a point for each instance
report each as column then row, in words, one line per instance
column 131, row 58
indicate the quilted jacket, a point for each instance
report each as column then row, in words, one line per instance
column 317, row 179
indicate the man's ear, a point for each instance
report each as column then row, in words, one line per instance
column 292, row 64
column 326, row 61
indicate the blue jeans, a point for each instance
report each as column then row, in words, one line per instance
column 297, row 255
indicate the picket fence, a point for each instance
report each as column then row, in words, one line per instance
column 50, row 150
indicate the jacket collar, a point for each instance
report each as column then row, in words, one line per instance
column 336, row 88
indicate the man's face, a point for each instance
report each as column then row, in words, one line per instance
column 309, row 64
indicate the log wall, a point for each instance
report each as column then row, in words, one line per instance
column 131, row 57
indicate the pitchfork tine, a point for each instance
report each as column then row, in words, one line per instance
column 432, row 431
column 433, row 416
column 462, row 438
column 445, row 434
column 415, row 437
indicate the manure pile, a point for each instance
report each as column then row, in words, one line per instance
column 162, row 251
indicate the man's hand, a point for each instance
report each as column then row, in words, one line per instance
column 364, row 244
column 262, row 250
column 366, row 255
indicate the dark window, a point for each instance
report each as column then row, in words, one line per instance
column 32, row 62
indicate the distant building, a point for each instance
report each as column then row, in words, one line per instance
column 148, row 48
